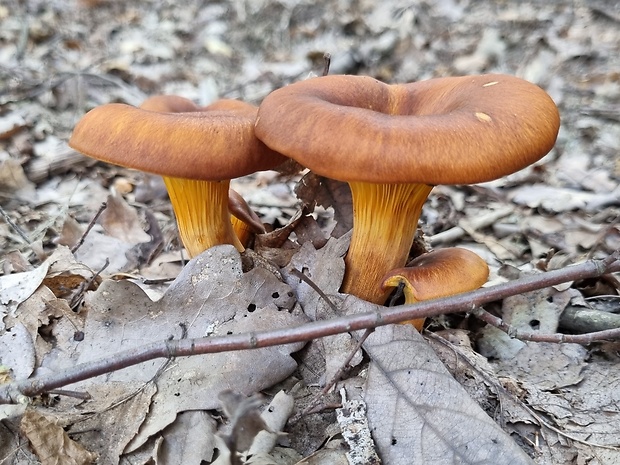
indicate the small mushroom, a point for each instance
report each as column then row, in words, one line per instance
column 245, row 221
column 196, row 152
column 393, row 143
column 436, row 274
column 169, row 104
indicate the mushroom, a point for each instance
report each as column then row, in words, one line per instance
column 440, row 273
column 244, row 220
column 393, row 143
column 196, row 152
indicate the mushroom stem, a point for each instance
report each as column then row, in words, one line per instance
column 201, row 208
column 385, row 218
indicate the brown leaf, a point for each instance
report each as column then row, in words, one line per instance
column 278, row 237
column 210, row 296
column 71, row 232
column 50, row 442
column 67, row 277
column 308, row 230
column 112, row 417
column 317, row 190
column 121, row 221
column 190, row 439
column 12, row 177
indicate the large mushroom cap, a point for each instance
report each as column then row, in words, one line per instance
column 210, row 144
column 455, row 130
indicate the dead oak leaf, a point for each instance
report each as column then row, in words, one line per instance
column 418, row 413
column 50, row 442
column 211, row 296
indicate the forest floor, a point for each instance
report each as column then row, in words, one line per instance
column 76, row 287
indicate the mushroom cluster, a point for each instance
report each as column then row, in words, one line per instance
column 391, row 143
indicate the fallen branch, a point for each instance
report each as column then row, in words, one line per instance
column 584, row 339
column 15, row 392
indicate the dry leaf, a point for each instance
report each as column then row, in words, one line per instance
column 110, row 418
column 50, row 442
column 12, row 177
column 555, row 199
column 317, row 190
column 122, row 222
column 16, row 288
column 245, row 421
column 419, row 414
column 17, row 351
column 71, row 232
column 275, row 416
column 325, row 268
column 210, row 296
column 189, row 440
column 10, row 124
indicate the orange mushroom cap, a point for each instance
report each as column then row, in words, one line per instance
column 392, row 143
column 208, row 145
column 436, row 274
column 453, row 130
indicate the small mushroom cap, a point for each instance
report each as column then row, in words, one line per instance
column 454, row 130
column 242, row 211
column 439, row 273
column 210, row 144
column 169, row 104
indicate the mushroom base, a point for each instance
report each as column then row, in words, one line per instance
column 201, row 209
column 385, row 219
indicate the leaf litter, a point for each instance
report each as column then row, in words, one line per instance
column 557, row 401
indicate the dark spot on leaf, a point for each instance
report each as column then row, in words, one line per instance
column 550, row 299
column 251, row 308
column 78, row 336
column 535, row 324
column 275, row 295
column 394, row 441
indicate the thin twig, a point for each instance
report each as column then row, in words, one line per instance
column 89, row 227
column 77, row 298
column 14, row 226
column 584, row 339
column 317, row 289
column 311, row 407
column 73, row 394
column 14, row 392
